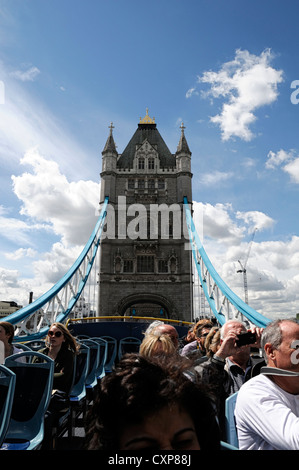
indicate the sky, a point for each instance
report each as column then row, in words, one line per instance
column 228, row 70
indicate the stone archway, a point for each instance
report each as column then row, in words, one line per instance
column 150, row 305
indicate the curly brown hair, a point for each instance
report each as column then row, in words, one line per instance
column 138, row 388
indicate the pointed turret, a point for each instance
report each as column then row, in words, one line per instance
column 109, row 161
column 110, row 144
column 183, row 166
column 183, row 146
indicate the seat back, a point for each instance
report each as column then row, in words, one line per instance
column 22, row 346
column 35, row 344
column 33, row 390
column 111, row 352
column 130, row 344
column 7, row 389
column 94, row 356
column 103, row 347
column 230, row 423
column 81, row 368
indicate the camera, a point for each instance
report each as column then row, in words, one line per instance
column 246, row 338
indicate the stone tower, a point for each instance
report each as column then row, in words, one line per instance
column 145, row 266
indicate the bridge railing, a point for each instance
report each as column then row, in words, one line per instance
column 34, row 320
column 223, row 302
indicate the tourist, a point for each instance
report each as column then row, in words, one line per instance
column 62, row 347
column 154, row 344
column 149, row 404
column 169, row 330
column 7, row 332
column 196, row 348
column 267, row 408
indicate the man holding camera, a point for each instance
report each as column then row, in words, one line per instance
column 234, row 354
column 232, row 364
column 267, row 408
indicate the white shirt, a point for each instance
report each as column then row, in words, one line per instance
column 267, row 417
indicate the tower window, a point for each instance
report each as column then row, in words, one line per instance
column 146, row 264
column 151, row 184
column 131, row 184
column 141, row 164
column 151, row 164
column 141, row 184
column 161, row 184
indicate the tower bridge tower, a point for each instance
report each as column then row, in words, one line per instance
column 145, row 265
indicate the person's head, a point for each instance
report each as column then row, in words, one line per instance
column 212, row 342
column 201, row 331
column 190, row 335
column 7, row 332
column 151, row 327
column 235, row 325
column 153, row 344
column 150, row 404
column 169, row 330
column 59, row 336
column 279, row 342
column 242, row 354
column 280, row 345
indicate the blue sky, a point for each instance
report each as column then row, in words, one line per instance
column 224, row 69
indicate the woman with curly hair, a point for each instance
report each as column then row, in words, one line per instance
column 150, row 404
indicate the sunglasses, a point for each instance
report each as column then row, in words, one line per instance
column 56, row 333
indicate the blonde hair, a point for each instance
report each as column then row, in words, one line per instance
column 154, row 344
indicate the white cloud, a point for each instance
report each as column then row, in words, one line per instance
column 256, row 219
column 292, row 168
column 272, row 267
column 26, row 75
column 191, row 92
column 286, row 160
column 276, row 159
column 246, row 83
column 18, row 230
column 54, row 264
column 21, row 253
column 217, row 223
column 70, row 208
column 215, row 178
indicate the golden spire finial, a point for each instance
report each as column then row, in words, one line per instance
column 147, row 119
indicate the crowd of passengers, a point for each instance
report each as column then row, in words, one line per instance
column 171, row 394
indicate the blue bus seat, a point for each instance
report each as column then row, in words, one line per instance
column 91, row 381
column 33, row 390
column 35, row 344
column 111, row 352
column 22, row 346
column 7, row 389
column 103, row 346
column 230, row 423
column 130, row 344
column 226, row 446
column 78, row 391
